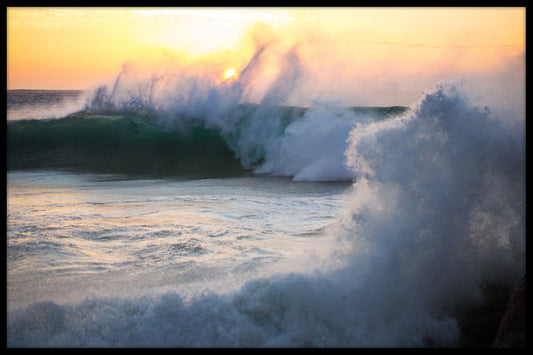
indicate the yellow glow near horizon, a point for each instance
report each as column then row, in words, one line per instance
column 76, row 48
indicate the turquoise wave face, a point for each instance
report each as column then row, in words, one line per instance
column 118, row 143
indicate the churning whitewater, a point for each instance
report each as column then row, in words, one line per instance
column 170, row 212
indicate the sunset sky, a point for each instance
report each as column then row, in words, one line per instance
column 386, row 51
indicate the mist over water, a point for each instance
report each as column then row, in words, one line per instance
column 437, row 206
column 45, row 104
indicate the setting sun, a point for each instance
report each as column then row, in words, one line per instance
column 230, row 73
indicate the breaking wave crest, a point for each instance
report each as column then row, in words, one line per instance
column 141, row 139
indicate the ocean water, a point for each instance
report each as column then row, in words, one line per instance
column 139, row 217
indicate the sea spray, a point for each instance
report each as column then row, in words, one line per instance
column 312, row 148
column 438, row 206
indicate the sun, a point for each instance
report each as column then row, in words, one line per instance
column 230, row 73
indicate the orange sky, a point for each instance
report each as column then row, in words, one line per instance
column 378, row 48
